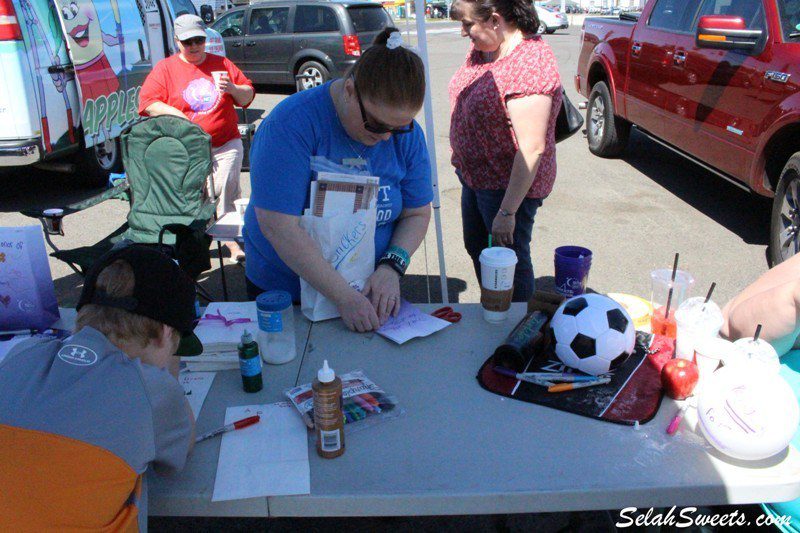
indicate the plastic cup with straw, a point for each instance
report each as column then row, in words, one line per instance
column 663, row 322
column 758, row 350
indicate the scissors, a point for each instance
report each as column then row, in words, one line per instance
column 447, row 313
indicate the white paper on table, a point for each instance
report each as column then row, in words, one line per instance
column 215, row 335
column 195, row 387
column 266, row 459
column 410, row 323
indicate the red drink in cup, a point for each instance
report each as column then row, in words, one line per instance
column 662, row 325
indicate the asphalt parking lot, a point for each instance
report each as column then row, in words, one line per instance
column 634, row 213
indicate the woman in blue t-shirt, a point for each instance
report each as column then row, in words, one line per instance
column 366, row 117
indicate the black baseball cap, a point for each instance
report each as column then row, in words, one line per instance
column 161, row 291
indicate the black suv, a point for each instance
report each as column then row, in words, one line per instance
column 299, row 42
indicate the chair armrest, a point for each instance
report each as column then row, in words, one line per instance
column 120, row 192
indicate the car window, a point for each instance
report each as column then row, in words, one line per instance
column 182, row 7
column 752, row 11
column 313, row 19
column 789, row 12
column 369, row 18
column 264, row 21
column 230, row 25
column 674, row 15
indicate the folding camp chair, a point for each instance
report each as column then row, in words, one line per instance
column 168, row 166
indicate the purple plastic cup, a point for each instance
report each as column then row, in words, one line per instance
column 572, row 269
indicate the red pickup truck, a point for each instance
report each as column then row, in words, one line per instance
column 718, row 81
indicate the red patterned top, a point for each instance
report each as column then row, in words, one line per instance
column 481, row 136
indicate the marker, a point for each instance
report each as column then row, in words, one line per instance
column 672, row 428
column 371, row 399
column 239, row 424
column 571, row 378
column 526, row 377
column 563, row 387
column 364, row 404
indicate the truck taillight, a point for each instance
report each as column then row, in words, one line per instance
column 9, row 27
column 351, row 44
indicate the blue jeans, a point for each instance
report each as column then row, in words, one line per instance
column 478, row 209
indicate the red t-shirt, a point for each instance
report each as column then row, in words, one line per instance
column 481, row 136
column 190, row 88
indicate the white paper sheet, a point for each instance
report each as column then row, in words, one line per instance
column 266, row 459
column 216, row 336
column 195, row 387
column 411, row 323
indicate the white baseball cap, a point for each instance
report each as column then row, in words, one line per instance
column 188, row 26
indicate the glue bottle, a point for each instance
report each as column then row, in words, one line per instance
column 250, row 363
column 328, row 415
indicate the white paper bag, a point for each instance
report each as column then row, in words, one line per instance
column 347, row 241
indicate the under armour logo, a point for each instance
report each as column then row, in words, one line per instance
column 80, row 354
column 77, row 355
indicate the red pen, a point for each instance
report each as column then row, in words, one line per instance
column 239, row 424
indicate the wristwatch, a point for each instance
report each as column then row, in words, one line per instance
column 506, row 213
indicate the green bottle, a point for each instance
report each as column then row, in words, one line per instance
column 250, row 363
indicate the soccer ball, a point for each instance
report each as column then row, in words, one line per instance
column 592, row 333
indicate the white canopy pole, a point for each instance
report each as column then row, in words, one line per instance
column 430, row 138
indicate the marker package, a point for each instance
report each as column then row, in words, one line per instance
column 363, row 402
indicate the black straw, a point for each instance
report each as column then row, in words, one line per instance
column 710, row 290
column 758, row 333
column 671, row 287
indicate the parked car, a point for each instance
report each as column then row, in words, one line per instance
column 300, row 42
column 550, row 20
column 715, row 81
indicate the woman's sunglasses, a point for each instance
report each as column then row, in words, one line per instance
column 378, row 129
column 194, row 41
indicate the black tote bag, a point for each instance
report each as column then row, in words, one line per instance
column 569, row 119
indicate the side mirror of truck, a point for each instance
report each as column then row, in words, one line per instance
column 726, row 32
column 207, row 13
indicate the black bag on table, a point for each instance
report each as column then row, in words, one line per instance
column 569, row 119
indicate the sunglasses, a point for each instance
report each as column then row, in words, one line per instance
column 378, row 129
column 194, row 41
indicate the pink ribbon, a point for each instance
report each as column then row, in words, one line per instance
column 224, row 320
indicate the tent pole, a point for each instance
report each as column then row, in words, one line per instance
column 430, row 138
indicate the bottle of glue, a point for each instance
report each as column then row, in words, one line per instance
column 328, row 415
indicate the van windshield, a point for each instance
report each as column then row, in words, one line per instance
column 369, row 18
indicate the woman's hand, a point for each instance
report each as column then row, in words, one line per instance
column 357, row 312
column 383, row 290
column 503, row 230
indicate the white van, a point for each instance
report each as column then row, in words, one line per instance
column 70, row 76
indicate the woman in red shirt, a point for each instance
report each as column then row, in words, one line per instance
column 183, row 85
column 504, row 102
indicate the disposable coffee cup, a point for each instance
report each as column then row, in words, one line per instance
column 497, row 282
column 710, row 352
column 217, row 75
column 241, row 206
column 572, row 264
column 760, row 352
column 695, row 320
column 53, row 220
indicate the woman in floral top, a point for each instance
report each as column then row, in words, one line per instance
column 504, row 102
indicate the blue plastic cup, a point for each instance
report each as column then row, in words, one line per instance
column 572, row 269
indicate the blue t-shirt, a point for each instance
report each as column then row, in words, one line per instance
column 306, row 125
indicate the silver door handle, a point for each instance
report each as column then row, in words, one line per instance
column 679, row 58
